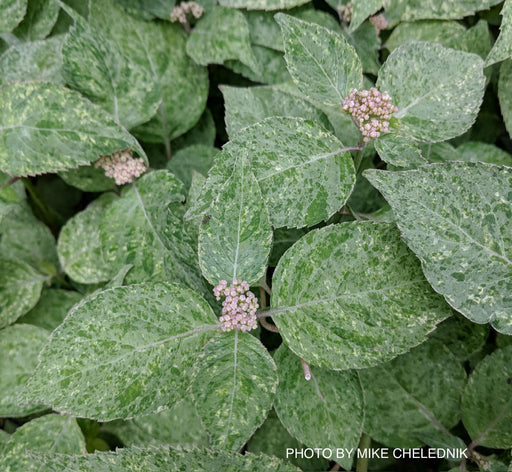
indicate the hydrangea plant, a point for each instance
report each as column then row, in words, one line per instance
column 269, row 235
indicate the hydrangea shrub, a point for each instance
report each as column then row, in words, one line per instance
column 234, row 230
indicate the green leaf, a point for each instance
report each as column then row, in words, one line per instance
column 159, row 459
column 463, row 338
column 305, row 174
column 158, row 47
column 444, row 79
column 141, row 228
column 39, row 20
column 235, row 243
column 49, row 128
column 442, row 9
column 465, row 252
column 367, row 300
column 79, row 245
column 11, row 13
column 263, row 4
column 88, row 178
column 326, row 411
column 234, row 383
column 502, row 48
column 123, row 352
column 51, row 308
column 412, row 396
column 50, row 433
column 361, row 10
column 476, row 151
column 27, row 239
column 246, row 106
column 37, row 60
column 263, row 29
column 197, row 157
column 19, row 345
column 367, row 44
column 203, row 132
column 99, row 69
column 326, row 78
column 178, row 426
column 272, row 439
column 399, row 150
column 148, row 9
column 505, row 94
column 20, row 288
column 487, row 400
column 221, row 34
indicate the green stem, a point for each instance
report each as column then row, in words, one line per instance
column 362, row 461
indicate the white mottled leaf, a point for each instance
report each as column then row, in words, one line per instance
column 463, row 242
column 50, row 128
column 399, row 150
column 487, row 401
column 235, row 380
column 352, row 295
column 323, row 65
column 438, row 91
column 263, row 4
column 235, row 241
column 11, row 14
column 502, row 48
column 505, row 94
column 123, row 352
column 326, row 411
column 39, row 20
column 361, row 10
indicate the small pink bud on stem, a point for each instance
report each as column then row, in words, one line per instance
column 121, row 166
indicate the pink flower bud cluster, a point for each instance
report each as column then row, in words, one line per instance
column 186, row 8
column 371, row 110
column 379, row 22
column 239, row 307
column 345, row 12
column 121, row 166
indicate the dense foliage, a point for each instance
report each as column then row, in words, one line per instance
column 236, row 231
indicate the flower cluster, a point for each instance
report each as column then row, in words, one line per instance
column 345, row 12
column 186, row 8
column 239, row 307
column 371, row 110
column 379, row 22
column 121, row 166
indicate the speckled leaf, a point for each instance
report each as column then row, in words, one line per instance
column 178, row 426
column 88, row 178
column 203, row 132
column 414, row 395
column 323, row 65
column 197, row 157
column 424, row 78
column 19, row 346
column 11, row 13
column 148, row 9
column 443, row 9
column 505, row 94
column 462, row 337
column 235, row 380
column 270, row 64
column 246, row 106
column 367, row 44
column 159, row 47
column 462, row 242
column 352, row 295
column 236, row 240
column 487, row 401
column 51, row 308
column 305, row 174
column 50, row 433
column 37, row 60
column 25, row 238
column 123, row 352
column 361, row 10
column 502, row 48
column 263, row 4
column 399, row 150
column 39, row 20
column 99, row 69
column 50, row 128
column 142, row 229
column 20, row 288
column 219, row 35
column 79, row 246
column 159, row 459
column 326, row 411
column 263, row 29
column 476, row 151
